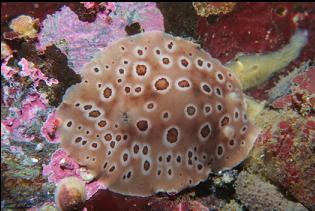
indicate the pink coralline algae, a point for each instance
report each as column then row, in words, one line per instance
column 61, row 166
column 26, row 107
column 88, row 5
column 18, row 123
column 34, row 73
column 81, row 40
column 28, row 69
column 49, row 129
column 16, row 150
column 92, row 188
column 107, row 8
column 6, row 70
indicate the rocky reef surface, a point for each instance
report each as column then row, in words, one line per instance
column 43, row 46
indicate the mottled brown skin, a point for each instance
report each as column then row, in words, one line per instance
column 196, row 139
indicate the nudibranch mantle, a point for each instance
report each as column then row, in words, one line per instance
column 155, row 113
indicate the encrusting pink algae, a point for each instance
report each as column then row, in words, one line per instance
column 81, row 40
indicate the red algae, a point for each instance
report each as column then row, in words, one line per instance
column 305, row 81
column 116, row 201
column 259, row 28
column 301, row 98
column 285, row 151
column 241, row 31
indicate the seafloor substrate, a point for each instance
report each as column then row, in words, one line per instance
column 42, row 58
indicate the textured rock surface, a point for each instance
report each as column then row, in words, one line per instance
column 81, row 40
column 284, row 153
column 29, row 103
column 258, row 28
column 256, row 194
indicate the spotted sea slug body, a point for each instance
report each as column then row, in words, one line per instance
column 155, row 113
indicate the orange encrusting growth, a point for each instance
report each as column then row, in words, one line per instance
column 155, row 113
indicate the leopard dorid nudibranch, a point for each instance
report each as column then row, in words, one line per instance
column 155, row 113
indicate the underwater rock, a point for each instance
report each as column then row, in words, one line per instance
column 81, row 40
column 185, row 16
column 40, row 70
column 21, row 176
column 34, row 73
column 250, row 28
column 284, row 153
column 259, row 28
column 6, row 71
column 23, row 123
column 23, row 111
column 257, row 194
column 301, row 89
column 283, row 86
column 47, row 206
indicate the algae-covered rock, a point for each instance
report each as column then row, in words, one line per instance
column 257, row 194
